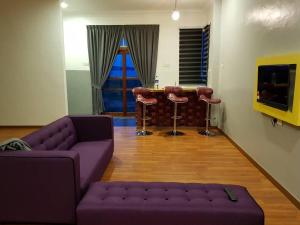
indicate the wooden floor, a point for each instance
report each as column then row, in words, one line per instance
column 190, row 158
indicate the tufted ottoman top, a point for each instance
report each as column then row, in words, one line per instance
column 137, row 203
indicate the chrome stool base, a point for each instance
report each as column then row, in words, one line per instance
column 175, row 133
column 143, row 133
column 207, row 133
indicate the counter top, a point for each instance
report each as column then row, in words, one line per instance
column 162, row 89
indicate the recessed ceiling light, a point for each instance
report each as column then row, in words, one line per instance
column 64, row 5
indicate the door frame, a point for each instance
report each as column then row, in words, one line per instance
column 123, row 51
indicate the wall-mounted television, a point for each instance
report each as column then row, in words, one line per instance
column 276, row 91
column 276, row 85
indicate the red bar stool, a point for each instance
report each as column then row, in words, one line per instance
column 205, row 94
column 173, row 94
column 141, row 95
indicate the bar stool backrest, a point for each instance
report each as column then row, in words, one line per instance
column 173, row 89
column 208, row 92
column 141, row 91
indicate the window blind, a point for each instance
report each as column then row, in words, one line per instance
column 193, row 55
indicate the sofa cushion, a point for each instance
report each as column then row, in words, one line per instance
column 94, row 158
column 59, row 135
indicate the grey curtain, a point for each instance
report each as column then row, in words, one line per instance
column 103, row 46
column 143, row 46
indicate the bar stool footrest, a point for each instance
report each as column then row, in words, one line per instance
column 177, row 117
column 207, row 133
column 143, row 133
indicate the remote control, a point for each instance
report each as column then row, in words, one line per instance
column 230, row 194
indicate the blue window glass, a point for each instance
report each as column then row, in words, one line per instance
column 123, row 43
column 113, row 100
column 130, row 70
column 130, row 102
column 116, row 71
column 113, row 87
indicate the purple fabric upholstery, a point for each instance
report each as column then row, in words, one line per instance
column 94, row 158
column 93, row 128
column 46, row 184
column 59, row 135
column 39, row 186
column 132, row 203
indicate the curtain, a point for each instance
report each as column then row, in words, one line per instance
column 103, row 46
column 143, row 46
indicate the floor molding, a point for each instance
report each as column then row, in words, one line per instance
column 264, row 172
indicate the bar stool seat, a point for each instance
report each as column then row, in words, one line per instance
column 146, row 101
column 173, row 94
column 209, row 100
column 205, row 94
column 141, row 94
column 172, row 97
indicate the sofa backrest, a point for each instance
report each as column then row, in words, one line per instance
column 59, row 135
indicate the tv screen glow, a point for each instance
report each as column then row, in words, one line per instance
column 276, row 85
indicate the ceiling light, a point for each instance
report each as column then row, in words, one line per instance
column 175, row 13
column 64, row 5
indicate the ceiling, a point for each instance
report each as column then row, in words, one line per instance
column 134, row 5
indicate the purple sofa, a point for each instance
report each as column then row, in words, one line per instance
column 56, row 183
column 46, row 184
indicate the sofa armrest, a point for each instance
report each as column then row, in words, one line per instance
column 93, row 128
column 39, row 187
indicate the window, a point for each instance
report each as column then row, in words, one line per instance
column 117, row 90
column 193, row 55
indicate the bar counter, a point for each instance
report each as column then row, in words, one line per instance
column 193, row 112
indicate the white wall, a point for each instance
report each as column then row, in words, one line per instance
column 251, row 29
column 168, row 53
column 214, row 48
column 32, row 78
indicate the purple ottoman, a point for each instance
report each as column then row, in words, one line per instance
column 135, row 203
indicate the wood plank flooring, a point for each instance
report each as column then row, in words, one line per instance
column 190, row 158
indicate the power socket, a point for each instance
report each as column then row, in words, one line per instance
column 279, row 123
column 276, row 122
